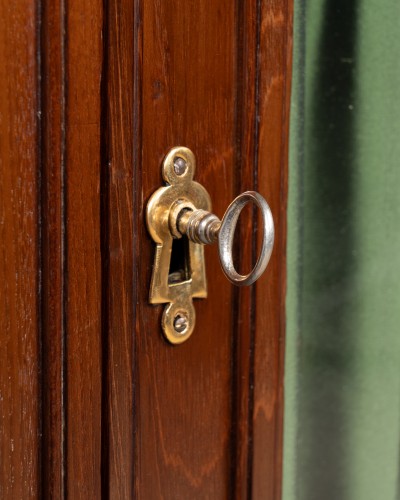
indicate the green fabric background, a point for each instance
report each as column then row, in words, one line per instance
column 342, row 380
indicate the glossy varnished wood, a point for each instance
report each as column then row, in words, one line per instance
column 274, row 55
column 187, row 98
column 84, row 60
column 52, row 93
column 96, row 403
column 265, row 38
column 236, row 139
column 118, row 239
column 243, row 317
column 19, row 240
column 71, row 66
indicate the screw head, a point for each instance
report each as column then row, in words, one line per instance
column 180, row 165
column 181, row 323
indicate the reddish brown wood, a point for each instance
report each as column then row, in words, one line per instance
column 19, row 237
column 53, row 247
column 275, row 48
column 257, row 38
column 243, row 332
column 123, row 413
column 265, row 58
column 71, row 67
column 84, row 57
column 118, row 241
column 188, row 98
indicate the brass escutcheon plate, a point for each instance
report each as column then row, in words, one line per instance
column 181, row 191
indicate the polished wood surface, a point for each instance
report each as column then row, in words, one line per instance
column 264, row 62
column 120, row 283
column 269, row 302
column 187, row 98
column 71, row 68
column 83, row 70
column 53, row 93
column 107, row 408
column 19, row 234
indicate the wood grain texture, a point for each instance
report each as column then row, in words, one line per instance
column 19, row 237
column 71, row 67
column 94, row 402
column 243, row 310
column 257, row 36
column 84, row 59
column 53, row 247
column 264, row 37
column 118, row 241
column 183, row 397
column 274, row 56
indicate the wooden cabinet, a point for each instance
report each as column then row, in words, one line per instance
column 94, row 402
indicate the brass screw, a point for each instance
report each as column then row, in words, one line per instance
column 180, row 165
column 180, row 323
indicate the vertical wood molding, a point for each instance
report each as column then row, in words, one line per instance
column 243, row 310
column 274, row 54
column 264, row 56
column 71, row 68
column 118, row 239
column 19, row 262
column 53, row 93
column 84, row 62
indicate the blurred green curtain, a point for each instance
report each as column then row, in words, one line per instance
column 342, row 381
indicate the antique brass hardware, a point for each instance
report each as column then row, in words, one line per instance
column 180, row 222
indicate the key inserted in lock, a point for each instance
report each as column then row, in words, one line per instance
column 180, row 222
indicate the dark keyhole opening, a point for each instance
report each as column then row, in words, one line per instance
column 179, row 267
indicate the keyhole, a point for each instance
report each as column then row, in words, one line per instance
column 179, row 266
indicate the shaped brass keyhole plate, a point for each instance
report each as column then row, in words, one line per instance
column 180, row 222
column 176, row 289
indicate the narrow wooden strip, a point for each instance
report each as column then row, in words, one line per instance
column 119, row 240
column 243, row 313
column 53, row 130
column 83, row 263
column 275, row 69
column 19, row 262
column 137, row 245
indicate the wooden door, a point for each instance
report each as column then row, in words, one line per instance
column 94, row 402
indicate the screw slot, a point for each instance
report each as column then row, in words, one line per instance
column 181, row 323
column 180, row 165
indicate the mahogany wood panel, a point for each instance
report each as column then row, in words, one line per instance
column 19, row 236
column 187, row 98
column 253, row 33
column 96, row 404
